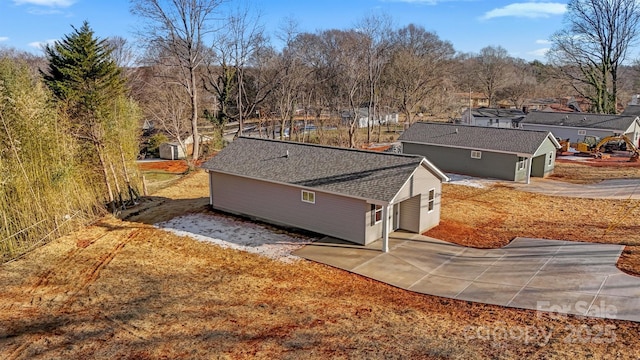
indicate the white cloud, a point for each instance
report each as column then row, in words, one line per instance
column 528, row 10
column 543, row 42
column 540, row 52
column 41, row 44
column 50, row 3
column 4, row 38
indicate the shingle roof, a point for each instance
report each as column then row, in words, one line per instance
column 516, row 141
column 497, row 113
column 631, row 110
column 580, row 120
column 355, row 173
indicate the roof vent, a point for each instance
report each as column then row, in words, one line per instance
column 287, row 155
column 456, row 130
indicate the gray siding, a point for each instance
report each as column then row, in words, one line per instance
column 493, row 165
column 569, row 133
column 333, row 215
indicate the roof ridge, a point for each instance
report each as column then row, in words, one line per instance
column 481, row 126
column 329, row 147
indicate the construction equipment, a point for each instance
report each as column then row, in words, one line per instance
column 595, row 146
column 564, row 145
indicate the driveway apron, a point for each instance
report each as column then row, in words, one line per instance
column 537, row 274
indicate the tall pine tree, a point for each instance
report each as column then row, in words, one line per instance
column 88, row 83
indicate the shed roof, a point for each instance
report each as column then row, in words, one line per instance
column 515, row 141
column 580, row 120
column 356, row 173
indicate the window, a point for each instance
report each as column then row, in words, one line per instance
column 550, row 158
column 522, row 163
column 582, row 132
column 475, row 154
column 376, row 214
column 432, row 199
column 308, row 197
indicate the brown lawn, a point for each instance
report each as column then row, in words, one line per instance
column 124, row 289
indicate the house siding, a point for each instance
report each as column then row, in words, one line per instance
column 493, row 165
column 570, row 133
column 333, row 215
column 410, row 214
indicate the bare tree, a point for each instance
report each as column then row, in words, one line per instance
column 180, row 28
column 589, row 51
column 521, row 83
column 490, row 70
column 419, row 66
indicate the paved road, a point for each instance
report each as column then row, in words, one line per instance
column 608, row 189
column 546, row 275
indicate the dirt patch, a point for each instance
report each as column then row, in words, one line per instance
column 170, row 166
column 593, row 171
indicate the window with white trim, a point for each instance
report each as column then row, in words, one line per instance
column 376, row 214
column 475, row 154
column 582, row 132
column 308, row 197
column 550, row 158
column 522, row 163
column 432, row 199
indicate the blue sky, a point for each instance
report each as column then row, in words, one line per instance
column 520, row 26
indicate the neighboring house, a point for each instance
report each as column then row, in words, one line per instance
column 508, row 154
column 472, row 99
column 501, row 118
column 356, row 195
column 173, row 150
column 575, row 126
column 364, row 120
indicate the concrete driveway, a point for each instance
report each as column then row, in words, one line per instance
column 547, row 275
column 607, row 189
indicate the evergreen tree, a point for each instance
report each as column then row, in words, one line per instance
column 88, row 84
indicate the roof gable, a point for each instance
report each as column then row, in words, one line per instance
column 580, row 120
column 515, row 141
column 355, row 173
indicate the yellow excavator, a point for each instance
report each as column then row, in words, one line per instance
column 594, row 146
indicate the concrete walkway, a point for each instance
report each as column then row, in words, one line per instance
column 548, row 275
column 607, row 189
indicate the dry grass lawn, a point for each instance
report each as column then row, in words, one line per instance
column 595, row 170
column 124, row 289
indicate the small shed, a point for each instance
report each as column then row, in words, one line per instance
column 171, row 151
column 356, row 195
column 575, row 126
column 508, row 154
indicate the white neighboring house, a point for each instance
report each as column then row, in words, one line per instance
column 173, row 150
column 494, row 117
column 364, row 120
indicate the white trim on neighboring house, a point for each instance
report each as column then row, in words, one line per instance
column 431, row 202
column 582, row 132
column 476, row 154
column 308, row 196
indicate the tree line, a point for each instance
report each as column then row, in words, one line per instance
column 216, row 68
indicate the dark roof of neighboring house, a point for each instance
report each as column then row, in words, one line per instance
column 355, row 173
column 497, row 113
column 631, row 110
column 516, row 141
column 580, row 120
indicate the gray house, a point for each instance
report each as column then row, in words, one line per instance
column 575, row 126
column 501, row 118
column 508, row 154
column 355, row 195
